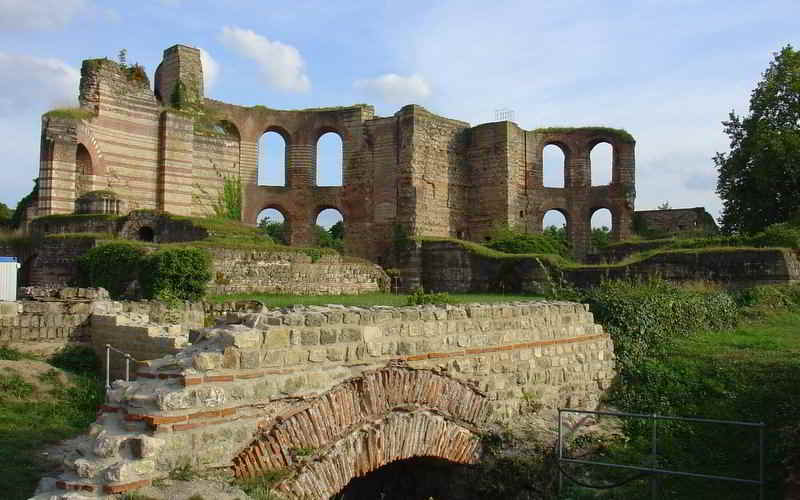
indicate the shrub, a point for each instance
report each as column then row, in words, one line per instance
column 509, row 240
column 77, row 359
column 176, row 273
column 112, row 266
column 419, row 297
column 642, row 316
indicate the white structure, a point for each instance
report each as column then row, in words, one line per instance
column 8, row 278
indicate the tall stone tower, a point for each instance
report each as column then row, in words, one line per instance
column 180, row 65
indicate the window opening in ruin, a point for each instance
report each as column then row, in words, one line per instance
column 272, row 160
column 601, row 223
column 329, row 230
column 83, row 170
column 601, row 160
column 146, row 233
column 554, row 223
column 330, row 159
column 554, row 164
column 417, row 477
column 272, row 223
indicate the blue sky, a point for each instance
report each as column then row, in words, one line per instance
column 667, row 71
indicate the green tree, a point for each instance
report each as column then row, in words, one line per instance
column 337, row 231
column 759, row 179
column 25, row 202
column 275, row 230
column 600, row 236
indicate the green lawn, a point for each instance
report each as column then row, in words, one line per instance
column 749, row 374
column 367, row 299
column 31, row 418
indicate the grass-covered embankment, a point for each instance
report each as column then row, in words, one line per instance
column 41, row 403
column 700, row 353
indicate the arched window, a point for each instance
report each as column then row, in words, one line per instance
column 272, row 223
column 330, row 158
column 272, row 159
column 601, row 159
column 329, row 229
column 554, row 164
column 83, row 171
column 554, row 225
column 602, row 225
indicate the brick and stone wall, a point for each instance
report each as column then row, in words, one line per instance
column 242, row 271
column 430, row 175
column 675, row 221
column 449, row 267
column 419, row 380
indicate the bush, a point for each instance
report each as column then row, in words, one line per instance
column 176, row 274
column 509, row 240
column 419, row 297
column 77, row 359
column 112, row 266
column 642, row 316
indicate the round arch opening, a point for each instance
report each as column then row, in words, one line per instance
column 272, row 159
column 83, row 170
column 601, row 160
column 416, row 477
column 602, row 226
column 146, row 233
column 273, row 223
column 330, row 160
column 554, row 225
column 554, row 166
column 330, row 229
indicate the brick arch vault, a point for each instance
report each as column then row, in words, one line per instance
column 364, row 423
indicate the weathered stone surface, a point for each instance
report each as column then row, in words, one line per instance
column 207, row 360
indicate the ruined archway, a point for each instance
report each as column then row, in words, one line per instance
column 273, row 221
column 601, row 161
column 330, row 159
column 554, row 165
column 83, row 170
column 367, row 422
column 273, row 157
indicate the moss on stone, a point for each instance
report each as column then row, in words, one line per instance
column 624, row 134
column 70, row 114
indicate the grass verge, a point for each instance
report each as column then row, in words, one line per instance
column 748, row 373
column 34, row 416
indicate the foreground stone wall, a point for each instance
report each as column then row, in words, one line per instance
column 359, row 386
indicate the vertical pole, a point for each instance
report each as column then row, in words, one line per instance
column 108, row 364
column 560, row 453
column 654, row 459
column 127, row 367
column 761, row 461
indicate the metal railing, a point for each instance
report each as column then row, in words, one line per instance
column 655, row 472
column 128, row 360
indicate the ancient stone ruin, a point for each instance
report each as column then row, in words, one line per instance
column 171, row 149
column 332, row 393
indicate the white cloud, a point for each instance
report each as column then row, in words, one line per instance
column 34, row 84
column 396, row 89
column 21, row 15
column 210, row 69
column 282, row 65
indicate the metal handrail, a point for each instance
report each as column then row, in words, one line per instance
column 654, row 449
column 128, row 359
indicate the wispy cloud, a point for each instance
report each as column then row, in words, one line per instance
column 210, row 69
column 20, row 15
column 396, row 89
column 28, row 82
column 282, row 65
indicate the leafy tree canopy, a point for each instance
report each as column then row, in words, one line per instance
column 25, row 202
column 759, row 179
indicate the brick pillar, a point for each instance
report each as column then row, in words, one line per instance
column 176, row 150
column 57, row 167
column 301, row 166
